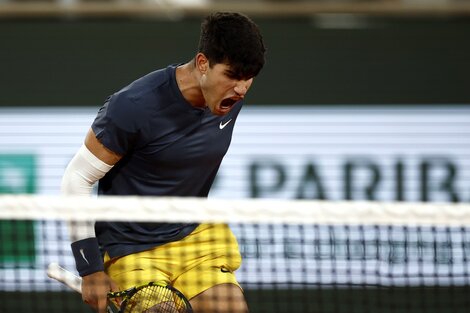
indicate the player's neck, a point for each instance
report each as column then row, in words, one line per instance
column 187, row 78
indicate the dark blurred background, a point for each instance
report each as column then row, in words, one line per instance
column 75, row 53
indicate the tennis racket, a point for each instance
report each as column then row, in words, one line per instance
column 154, row 297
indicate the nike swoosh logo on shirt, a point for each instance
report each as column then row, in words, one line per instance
column 83, row 256
column 222, row 125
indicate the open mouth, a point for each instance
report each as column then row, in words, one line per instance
column 227, row 103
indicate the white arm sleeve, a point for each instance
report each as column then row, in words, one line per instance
column 83, row 171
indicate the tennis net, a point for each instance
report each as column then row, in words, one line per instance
column 298, row 255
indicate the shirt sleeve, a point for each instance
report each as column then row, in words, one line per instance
column 116, row 125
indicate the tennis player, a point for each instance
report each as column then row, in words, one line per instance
column 165, row 134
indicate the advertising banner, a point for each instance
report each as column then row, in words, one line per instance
column 382, row 153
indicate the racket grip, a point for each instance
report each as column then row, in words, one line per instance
column 55, row 271
column 60, row 274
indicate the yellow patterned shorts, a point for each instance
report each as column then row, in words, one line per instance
column 206, row 257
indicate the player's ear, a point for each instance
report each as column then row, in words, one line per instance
column 202, row 63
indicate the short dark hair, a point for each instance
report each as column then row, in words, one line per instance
column 233, row 39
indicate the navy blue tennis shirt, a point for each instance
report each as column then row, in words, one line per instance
column 169, row 148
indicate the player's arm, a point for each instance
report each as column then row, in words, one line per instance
column 92, row 161
column 99, row 150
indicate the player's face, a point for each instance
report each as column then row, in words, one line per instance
column 222, row 89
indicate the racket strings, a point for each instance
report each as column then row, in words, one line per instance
column 154, row 299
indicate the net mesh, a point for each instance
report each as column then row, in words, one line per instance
column 298, row 256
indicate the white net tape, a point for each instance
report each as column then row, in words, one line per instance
column 174, row 209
